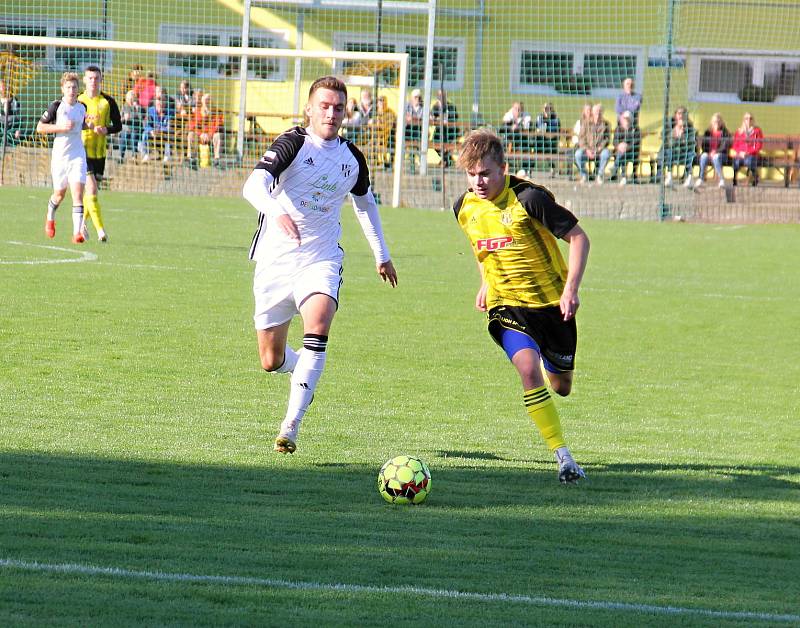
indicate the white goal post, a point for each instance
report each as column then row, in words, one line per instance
column 245, row 52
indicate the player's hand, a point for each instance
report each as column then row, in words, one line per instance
column 67, row 126
column 101, row 130
column 569, row 303
column 288, row 226
column 387, row 272
column 480, row 298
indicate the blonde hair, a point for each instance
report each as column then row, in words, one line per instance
column 481, row 144
column 69, row 77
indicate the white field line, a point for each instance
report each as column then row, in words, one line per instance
column 85, row 256
column 272, row 583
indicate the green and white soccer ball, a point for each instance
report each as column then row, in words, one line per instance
column 404, row 480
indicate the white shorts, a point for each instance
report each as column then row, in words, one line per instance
column 68, row 170
column 280, row 289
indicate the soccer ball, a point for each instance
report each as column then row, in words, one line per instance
column 404, row 480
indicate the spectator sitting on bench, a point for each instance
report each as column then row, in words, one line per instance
column 627, row 143
column 443, row 111
column 9, row 115
column 157, row 131
column 413, row 114
column 716, row 143
column 593, row 140
column 548, row 126
column 680, row 148
column 205, row 127
column 351, row 121
column 747, row 144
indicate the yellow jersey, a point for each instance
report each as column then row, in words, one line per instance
column 101, row 110
column 514, row 238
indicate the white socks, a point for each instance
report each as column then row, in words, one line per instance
column 306, row 375
column 289, row 360
column 77, row 219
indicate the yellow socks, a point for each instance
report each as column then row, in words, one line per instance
column 92, row 208
column 543, row 411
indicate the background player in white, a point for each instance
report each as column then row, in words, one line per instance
column 298, row 188
column 66, row 118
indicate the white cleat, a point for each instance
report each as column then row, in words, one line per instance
column 569, row 472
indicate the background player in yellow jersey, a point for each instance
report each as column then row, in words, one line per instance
column 529, row 292
column 102, row 119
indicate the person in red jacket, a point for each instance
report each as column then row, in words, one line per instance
column 205, row 127
column 747, row 143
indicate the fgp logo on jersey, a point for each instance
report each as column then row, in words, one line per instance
column 493, row 244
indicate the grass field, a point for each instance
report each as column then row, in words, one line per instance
column 138, row 485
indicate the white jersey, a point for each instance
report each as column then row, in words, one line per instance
column 308, row 178
column 67, row 145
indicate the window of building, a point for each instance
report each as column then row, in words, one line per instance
column 734, row 79
column 59, row 59
column 76, row 59
column 557, row 68
column 448, row 59
column 220, row 66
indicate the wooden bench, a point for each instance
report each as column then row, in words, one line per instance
column 780, row 153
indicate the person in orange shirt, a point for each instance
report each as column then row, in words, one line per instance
column 205, row 127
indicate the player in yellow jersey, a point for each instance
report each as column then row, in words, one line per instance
column 102, row 120
column 529, row 292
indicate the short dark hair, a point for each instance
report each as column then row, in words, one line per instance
column 328, row 82
column 93, row 68
column 479, row 144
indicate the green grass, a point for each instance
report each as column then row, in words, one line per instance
column 136, row 428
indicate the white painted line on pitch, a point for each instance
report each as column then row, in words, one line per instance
column 85, row 256
column 148, row 266
column 115, row 572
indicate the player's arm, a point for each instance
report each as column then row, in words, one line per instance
column 541, row 205
column 115, row 119
column 257, row 189
column 369, row 218
column 578, row 255
column 480, row 298
column 47, row 124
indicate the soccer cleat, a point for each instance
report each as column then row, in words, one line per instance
column 78, row 238
column 569, row 472
column 50, row 228
column 284, row 445
column 102, row 236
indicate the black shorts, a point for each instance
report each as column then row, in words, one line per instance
column 96, row 166
column 557, row 338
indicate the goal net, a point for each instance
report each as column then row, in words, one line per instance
column 528, row 70
column 190, row 123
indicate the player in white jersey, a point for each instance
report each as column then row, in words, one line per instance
column 66, row 118
column 298, row 188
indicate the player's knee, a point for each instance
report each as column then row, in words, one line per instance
column 562, row 387
column 271, row 362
